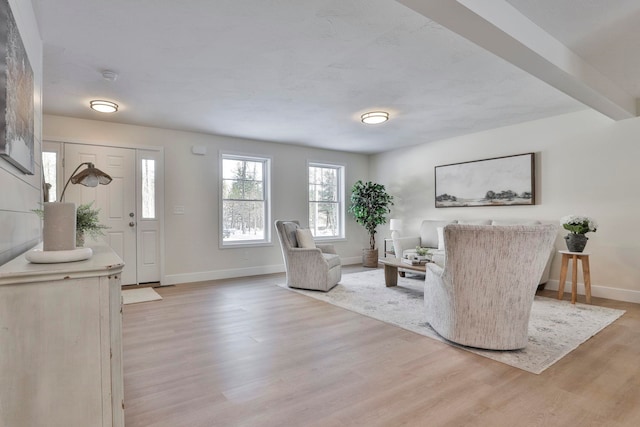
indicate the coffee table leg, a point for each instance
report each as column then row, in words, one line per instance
column 390, row 275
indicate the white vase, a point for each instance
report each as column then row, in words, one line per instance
column 59, row 229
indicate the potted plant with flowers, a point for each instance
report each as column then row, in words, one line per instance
column 578, row 225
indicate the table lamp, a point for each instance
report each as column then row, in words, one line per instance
column 395, row 225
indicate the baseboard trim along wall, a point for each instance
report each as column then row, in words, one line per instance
column 599, row 291
column 203, row 276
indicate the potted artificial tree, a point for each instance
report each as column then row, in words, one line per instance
column 369, row 206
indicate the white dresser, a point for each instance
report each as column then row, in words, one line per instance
column 61, row 342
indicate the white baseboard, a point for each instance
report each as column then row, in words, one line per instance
column 351, row 260
column 203, row 276
column 600, row 291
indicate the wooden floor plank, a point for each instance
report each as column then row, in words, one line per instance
column 245, row 352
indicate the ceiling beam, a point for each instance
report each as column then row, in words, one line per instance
column 498, row 27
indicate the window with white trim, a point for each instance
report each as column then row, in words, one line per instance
column 326, row 200
column 245, row 200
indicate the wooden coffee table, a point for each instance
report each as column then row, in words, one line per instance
column 391, row 266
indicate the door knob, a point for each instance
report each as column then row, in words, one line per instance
column 132, row 224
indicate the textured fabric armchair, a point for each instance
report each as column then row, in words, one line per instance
column 483, row 295
column 317, row 268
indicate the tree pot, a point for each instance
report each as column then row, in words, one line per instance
column 576, row 242
column 370, row 258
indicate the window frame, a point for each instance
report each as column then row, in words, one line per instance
column 266, row 182
column 340, row 202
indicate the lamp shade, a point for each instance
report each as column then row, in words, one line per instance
column 395, row 225
column 89, row 177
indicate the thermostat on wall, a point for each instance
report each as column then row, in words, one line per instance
column 200, row 150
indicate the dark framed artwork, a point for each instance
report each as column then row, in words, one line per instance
column 500, row 181
column 16, row 95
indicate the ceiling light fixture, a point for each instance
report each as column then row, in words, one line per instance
column 374, row 117
column 104, row 106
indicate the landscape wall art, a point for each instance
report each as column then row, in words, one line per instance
column 16, row 95
column 500, row 181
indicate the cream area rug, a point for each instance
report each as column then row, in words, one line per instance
column 555, row 327
column 133, row 296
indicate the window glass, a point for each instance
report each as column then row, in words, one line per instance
column 326, row 206
column 244, row 200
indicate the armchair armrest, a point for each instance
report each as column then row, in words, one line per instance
column 326, row 248
column 435, row 269
column 400, row 244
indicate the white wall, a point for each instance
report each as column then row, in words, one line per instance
column 585, row 164
column 19, row 227
column 191, row 240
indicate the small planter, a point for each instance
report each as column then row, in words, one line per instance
column 576, row 242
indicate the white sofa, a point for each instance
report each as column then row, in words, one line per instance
column 428, row 238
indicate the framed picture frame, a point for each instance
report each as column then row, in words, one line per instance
column 16, row 96
column 498, row 181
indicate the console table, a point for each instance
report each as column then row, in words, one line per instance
column 61, row 342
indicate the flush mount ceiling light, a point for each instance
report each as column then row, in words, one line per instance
column 104, row 106
column 374, row 117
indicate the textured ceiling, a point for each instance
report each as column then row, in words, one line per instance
column 302, row 72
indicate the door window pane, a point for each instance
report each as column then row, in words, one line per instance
column 148, row 190
column 49, row 163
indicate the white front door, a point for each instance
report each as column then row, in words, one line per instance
column 116, row 201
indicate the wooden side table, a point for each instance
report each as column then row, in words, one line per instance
column 586, row 273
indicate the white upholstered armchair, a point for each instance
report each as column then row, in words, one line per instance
column 308, row 265
column 483, row 295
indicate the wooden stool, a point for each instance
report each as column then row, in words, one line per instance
column 575, row 256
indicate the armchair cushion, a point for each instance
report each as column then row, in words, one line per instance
column 429, row 232
column 305, row 238
column 440, row 238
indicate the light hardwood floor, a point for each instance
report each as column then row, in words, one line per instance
column 245, row 352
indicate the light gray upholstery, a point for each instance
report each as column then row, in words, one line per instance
column 428, row 238
column 483, row 295
column 318, row 268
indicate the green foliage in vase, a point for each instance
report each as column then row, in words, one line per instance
column 87, row 220
column 369, row 206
